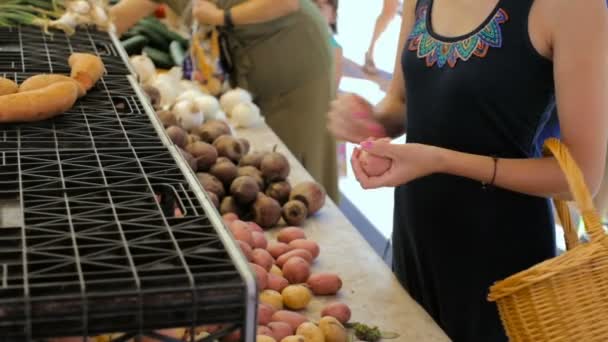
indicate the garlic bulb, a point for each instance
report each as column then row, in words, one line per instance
column 168, row 90
column 209, row 105
column 189, row 95
column 233, row 97
column 187, row 115
column 144, row 68
column 246, row 114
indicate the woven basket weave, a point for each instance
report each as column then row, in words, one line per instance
column 563, row 299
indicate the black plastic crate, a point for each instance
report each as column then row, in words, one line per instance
column 110, row 116
column 87, row 247
column 30, row 49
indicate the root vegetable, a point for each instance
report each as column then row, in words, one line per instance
column 272, row 298
column 276, row 282
column 274, row 167
column 264, row 338
column 254, row 227
column 310, row 193
column 296, row 270
column 265, row 313
column 294, row 213
column 311, row 332
column 225, row 171
column 7, row 86
column 261, row 276
column 212, row 130
column 153, row 95
column 214, row 199
column 301, row 253
column 252, row 159
column 245, row 144
column 246, row 249
column 244, row 189
column 211, row 184
column 43, row 80
column 294, row 319
column 333, row 330
column 229, row 147
column 187, row 115
column 286, row 235
column 177, row 135
column 276, row 271
column 205, row 154
column 264, row 331
column 263, row 258
column 189, row 159
column 373, row 165
column 241, row 232
column 266, row 211
column 192, row 139
column 229, row 206
column 40, row 104
column 209, row 105
column 252, row 172
column 308, row 245
column 280, row 330
column 259, row 240
column 233, row 97
column 294, row 338
column 296, row 297
column 167, row 118
column 339, row 311
column 279, row 191
column 144, row 68
column 323, row 284
column 245, row 115
column 277, row 249
column 230, row 217
column 87, row 69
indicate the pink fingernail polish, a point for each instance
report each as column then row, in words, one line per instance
column 366, row 144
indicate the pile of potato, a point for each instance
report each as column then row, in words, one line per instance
column 252, row 185
column 287, row 285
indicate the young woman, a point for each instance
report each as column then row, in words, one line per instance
column 281, row 53
column 472, row 90
column 389, row 10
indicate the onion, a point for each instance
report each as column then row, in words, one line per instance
column 169, row 89
column 80, row 7
column 189, row 95
column 144, row 68
column 209, row 105
column 67, row 22
column 233, row 97
column 187, row 115
column 245, row 115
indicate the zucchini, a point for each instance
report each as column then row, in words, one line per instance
column 160, row 59
column 155, row 39
column 135, row 44
column 178, row 54
column 154, row 24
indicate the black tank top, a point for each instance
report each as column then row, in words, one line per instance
column 490, row 93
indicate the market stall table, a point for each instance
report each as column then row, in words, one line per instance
column 369, row 287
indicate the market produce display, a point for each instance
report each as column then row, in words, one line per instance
column 45, row 96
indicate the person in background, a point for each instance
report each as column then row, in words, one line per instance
column 280, row 52
column 389, row 10
column 329, row 10
column 472, row 86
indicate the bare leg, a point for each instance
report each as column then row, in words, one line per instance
column 389, row 10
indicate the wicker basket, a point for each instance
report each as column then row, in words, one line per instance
column 565, row 298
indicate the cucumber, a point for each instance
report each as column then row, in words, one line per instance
column 178, row 54
column 154, row 24
column 160, row 59
column 156, row 39
column 135, row 44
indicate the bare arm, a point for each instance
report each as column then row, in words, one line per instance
column 391, row 110
column 338, row 64
column 248, row 12
column 581, row 82
column 127, row 13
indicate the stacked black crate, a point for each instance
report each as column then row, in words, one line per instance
column 103, row 230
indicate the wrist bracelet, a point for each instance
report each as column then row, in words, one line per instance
column 491, row 183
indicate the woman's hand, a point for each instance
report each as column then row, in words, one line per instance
column 351, row 118
column 207, row 13
column 408, row 162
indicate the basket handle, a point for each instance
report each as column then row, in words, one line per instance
column 580, row 193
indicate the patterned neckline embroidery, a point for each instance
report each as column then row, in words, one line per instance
column 442, row 53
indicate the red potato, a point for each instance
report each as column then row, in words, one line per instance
column 276, row 249
column 308, row 245
column 261, row 276
column 294, row 319
column 259, row 240
column 264, row 330
column 246, row 250
column 276, row 282
column 373, row 165
column 323, row 284
column 280, row 330
column 241, row 232
column 229, row 218
column 254, row 227
column 286, row 235
column 339, row 311
column 263, row 258
column 296, row 270
column 302, row 253
column 265, row 313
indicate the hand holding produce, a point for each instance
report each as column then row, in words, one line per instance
column 373, row 165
